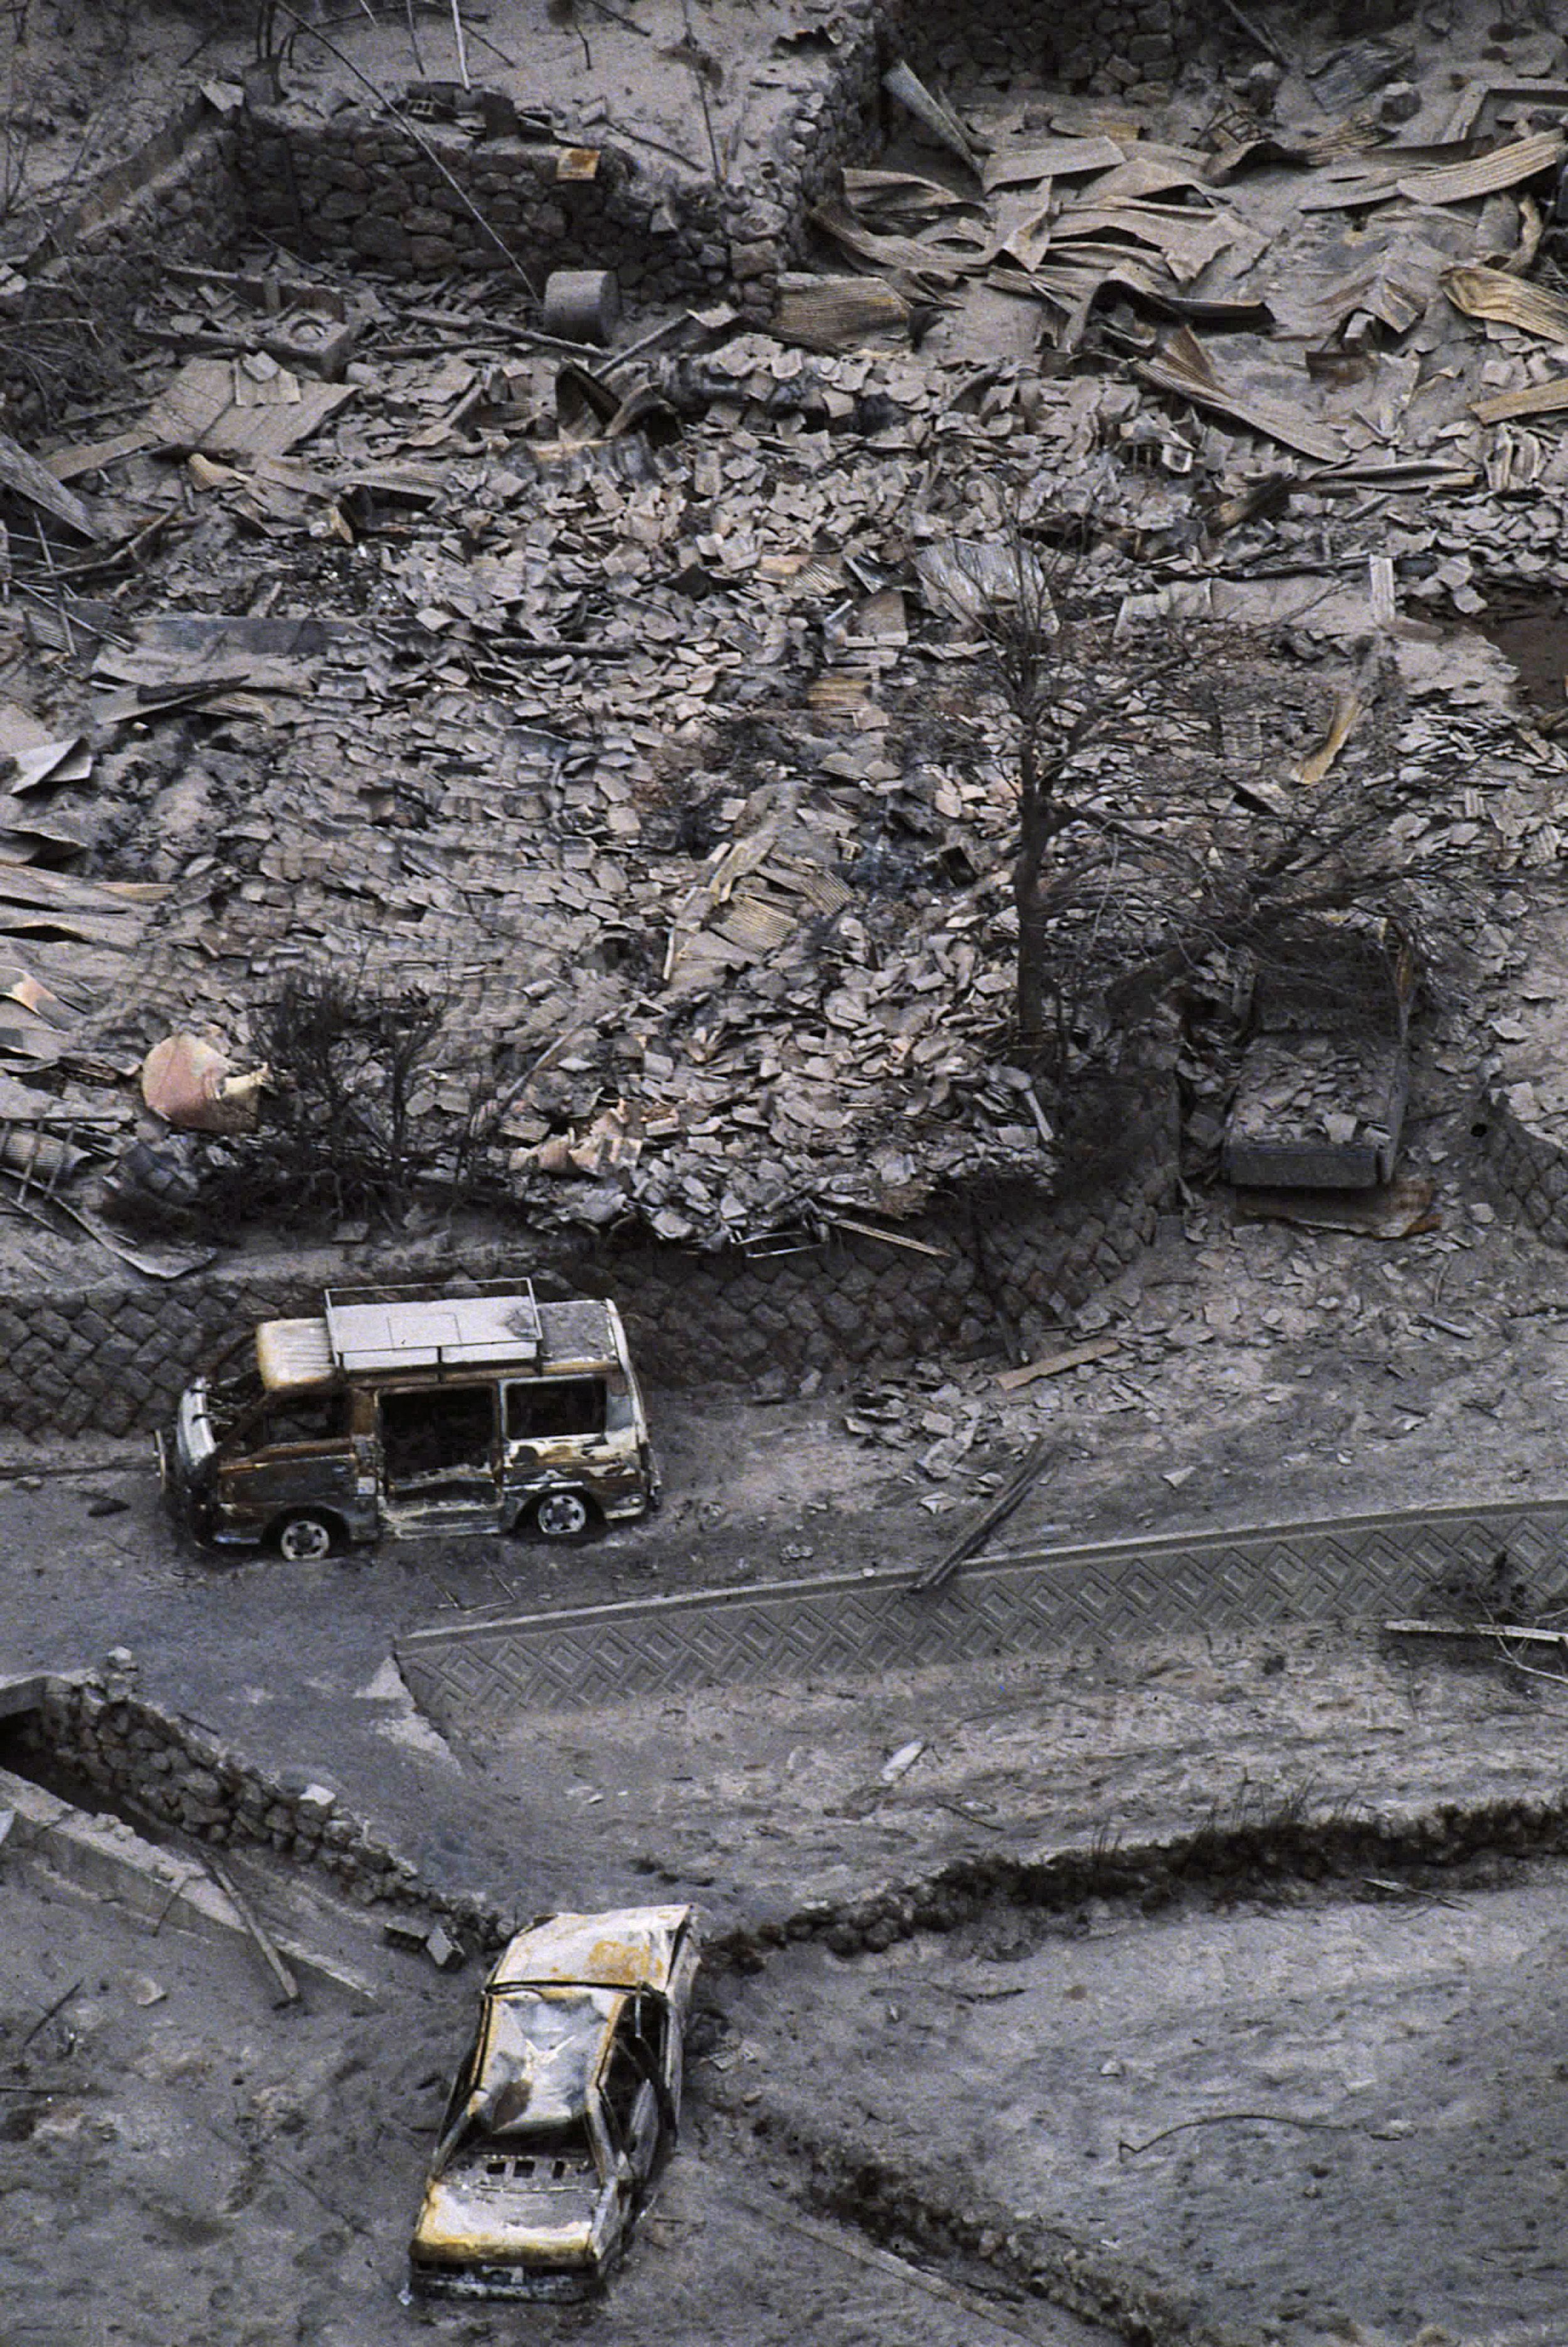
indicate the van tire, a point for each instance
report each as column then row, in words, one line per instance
column 305, row 1538
column 563, row 1515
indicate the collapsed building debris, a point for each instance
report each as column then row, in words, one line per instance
column 621, row 722
column 679, row 627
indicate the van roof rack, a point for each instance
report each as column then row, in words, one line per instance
column 381, row 1328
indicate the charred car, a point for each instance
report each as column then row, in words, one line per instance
column 565, row 2106
column 406, row 1412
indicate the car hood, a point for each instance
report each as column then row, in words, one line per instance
column 470, row 2217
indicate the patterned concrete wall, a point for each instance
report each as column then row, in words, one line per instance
column 491, row 1666
column 112, row 1358
column 1530, row 1167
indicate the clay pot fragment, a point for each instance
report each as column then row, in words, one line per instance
column 191, row 1085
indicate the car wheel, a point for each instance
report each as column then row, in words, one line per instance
column 305, row 1539
column 562, row 1515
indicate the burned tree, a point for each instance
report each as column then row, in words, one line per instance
column 342, row 1134
column 1066, row 694
column 1155, row 834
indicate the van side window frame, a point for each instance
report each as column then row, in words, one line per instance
column 334, row 1407
column 437, row 1401
column 525, row 1400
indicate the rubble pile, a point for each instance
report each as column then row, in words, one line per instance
column 630, row 701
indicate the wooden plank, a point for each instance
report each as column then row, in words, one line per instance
column 265, row 1945
column 1075, row 1358
column 1482, row 292
column 1269, row 416
column 936, row 1576
column 1536, row 399
column 1053, row 158
column 25, row 477
column 1489, row 175
column 70, row 464
column 199, row 410
column 1510, row 1630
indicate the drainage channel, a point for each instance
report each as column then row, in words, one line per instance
column 128, row 1798
column 977, row 2243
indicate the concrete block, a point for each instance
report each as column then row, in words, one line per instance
column 21, row 1696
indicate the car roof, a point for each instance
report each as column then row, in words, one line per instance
column 366, row 1332
column 512, row 1333
column 620, row 1947
column 550, row 2043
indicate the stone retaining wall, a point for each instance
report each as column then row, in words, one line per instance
column 366, row 189
column 98, row 1728
column 379, row 184
column 1107, row 47
column 178, row 197
column 428, row 199
column 112, row 1358
column 362, row 187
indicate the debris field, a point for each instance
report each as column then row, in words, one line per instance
column 635, row 701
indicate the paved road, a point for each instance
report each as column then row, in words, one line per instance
column 279, row 1661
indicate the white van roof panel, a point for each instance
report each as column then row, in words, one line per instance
column 450, row 1332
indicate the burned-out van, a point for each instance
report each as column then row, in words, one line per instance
column 401, row 1411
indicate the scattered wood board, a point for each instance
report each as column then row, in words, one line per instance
column 1076, row 1357
column 1536, row 399
column 201, row 409
column 1185, row 369
column 25, row 477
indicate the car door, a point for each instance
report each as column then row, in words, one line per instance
column 297, row 1455
column 631, row 2104
column 440, row 1457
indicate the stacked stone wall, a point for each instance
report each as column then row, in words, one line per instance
column 1003, row 1260
column 363, row 187
column 833, row 120
column 432, row 199
column 178, row 198
column 454, row 202
column 1103, row 45
column 169, row 1770
column 367, row 187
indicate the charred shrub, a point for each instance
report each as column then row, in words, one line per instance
column 345, row 1133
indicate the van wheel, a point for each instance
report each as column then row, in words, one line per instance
column 562, row 1515
column 305, row 1539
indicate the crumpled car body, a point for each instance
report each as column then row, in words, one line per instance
column 564, row 2109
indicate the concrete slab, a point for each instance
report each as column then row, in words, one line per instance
column 495, row 1664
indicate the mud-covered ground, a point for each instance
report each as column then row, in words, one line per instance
column 1325, row 2118
column 1303, row 2103
column 253, row 2174
column 178, row 2159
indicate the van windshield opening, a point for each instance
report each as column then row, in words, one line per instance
column 305, row 1417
